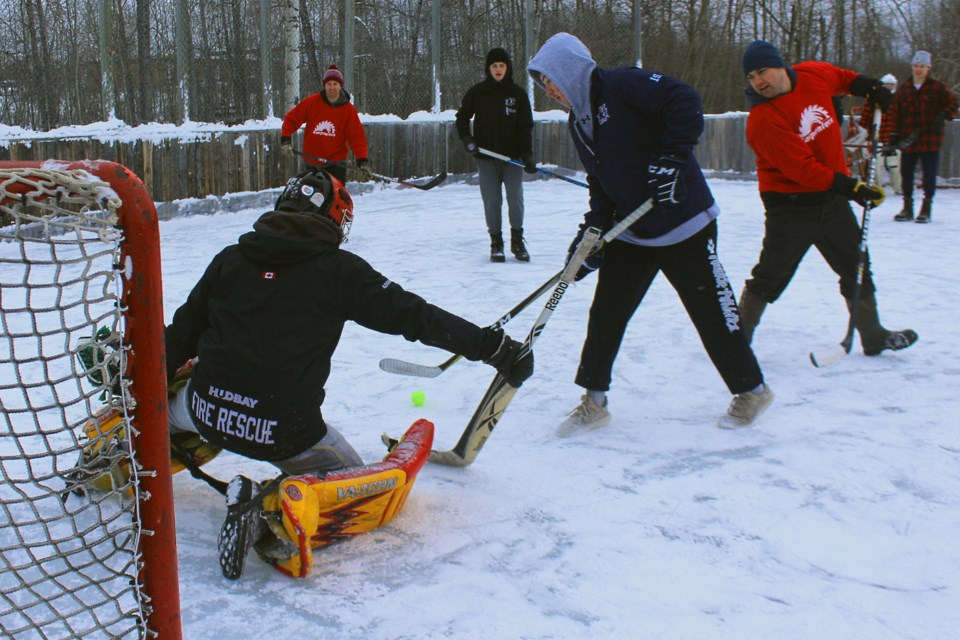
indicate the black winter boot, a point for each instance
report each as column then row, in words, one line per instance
column 906, row 214
column 496, row 248
column 517, row 245
column 751, row 308
column 925, row 206
column 873, row 337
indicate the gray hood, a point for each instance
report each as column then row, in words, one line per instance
column 569, row 65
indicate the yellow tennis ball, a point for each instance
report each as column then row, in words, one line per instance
column 418, row 398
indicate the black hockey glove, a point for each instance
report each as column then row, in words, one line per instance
column 509, row 361
column 471, row 147
column 873, row 90
column 593, row 262
column 362, row 163
column 528, row 164
column 663, row 180
column 865, row 195
column 285, row 147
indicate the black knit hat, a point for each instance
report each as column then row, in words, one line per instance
column 498, row 55
column 760, row 54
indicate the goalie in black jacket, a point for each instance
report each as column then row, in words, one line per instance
column 266, row 317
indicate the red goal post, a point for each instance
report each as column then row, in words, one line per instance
column 49, row 212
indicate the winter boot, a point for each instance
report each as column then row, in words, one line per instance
column 587, row 416
column 925, row 206
column 242, row 527
column 906, row 214
column 873, row 337
column 751, row 308
column 496, row 248
column 517, row 245
column 745, row 408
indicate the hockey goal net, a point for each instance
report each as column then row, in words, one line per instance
column 87, row 535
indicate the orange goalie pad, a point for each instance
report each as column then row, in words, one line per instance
column 316, row 512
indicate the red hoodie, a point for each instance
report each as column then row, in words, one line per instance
column 329, row 129
column 796, row 136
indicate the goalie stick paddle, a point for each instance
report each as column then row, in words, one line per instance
column 833, row 355
column 426, row 186
column 404, row 368
column 499, row 394
column 546, row 172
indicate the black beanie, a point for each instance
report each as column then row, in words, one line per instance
column 760, row 54
column 498, row 55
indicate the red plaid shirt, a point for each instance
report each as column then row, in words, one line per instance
column 920, row 110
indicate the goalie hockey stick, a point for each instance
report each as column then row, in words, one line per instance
column 426, row 186
column 404, row 368
column 499, row 394
column 546, row 172
column 832, row 355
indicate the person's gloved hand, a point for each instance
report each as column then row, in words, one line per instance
column 362, row 163
column 285, row 147
column 510, row 360
column 663, row 180
column 889, row 150
column 866, row 195
column 471, row 147
column 528, row 164
column 593, row 262
column 880, row 96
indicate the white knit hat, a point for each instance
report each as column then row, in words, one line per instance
column 888, row 79
column 922, row 57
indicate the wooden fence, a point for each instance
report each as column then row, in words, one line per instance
column 235, row 161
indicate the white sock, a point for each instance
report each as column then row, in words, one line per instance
column 599, row 397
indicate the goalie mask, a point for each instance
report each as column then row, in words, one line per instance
column 321, row 194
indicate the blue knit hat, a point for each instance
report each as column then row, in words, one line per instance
column 760, row 54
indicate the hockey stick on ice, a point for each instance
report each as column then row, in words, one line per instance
column 499, row 394
column 404, row 368
column 832, row 355
column 546, row 172
column 426, row 186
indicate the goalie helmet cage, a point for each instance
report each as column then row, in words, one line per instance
column 87, row 533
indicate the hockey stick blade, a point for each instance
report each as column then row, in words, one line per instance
column 829, row 356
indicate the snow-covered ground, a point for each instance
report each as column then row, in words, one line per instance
column 835, row 517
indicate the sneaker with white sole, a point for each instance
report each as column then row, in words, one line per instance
column 587, row 416
column 745, row 408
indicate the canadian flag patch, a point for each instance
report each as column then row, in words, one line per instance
column 269, row 275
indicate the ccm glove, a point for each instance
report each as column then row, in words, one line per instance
column 510, row 361
column 663, row 180
column 471, row 147
column 593, row 262
column 528, row 164
column 865, row 195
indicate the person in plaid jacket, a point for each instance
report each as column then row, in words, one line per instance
column 915, row 124
column 888, row 171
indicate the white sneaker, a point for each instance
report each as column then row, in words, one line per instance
column 587, row 416
column 745, row 408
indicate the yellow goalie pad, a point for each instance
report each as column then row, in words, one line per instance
column 309, row 513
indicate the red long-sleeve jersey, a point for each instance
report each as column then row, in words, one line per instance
column 329, row 129
column 796, row 136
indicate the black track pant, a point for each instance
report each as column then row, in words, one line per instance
column 790, row 230
column 694, row 270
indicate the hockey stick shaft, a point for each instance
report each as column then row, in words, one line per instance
column 546, row 172
column 500, row 393
column 436, row 180
column 835, row 354
column 402, row 367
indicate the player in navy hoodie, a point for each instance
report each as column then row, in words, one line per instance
column 635, row 131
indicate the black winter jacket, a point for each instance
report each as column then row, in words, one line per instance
column 265, row 319
column 503, row 119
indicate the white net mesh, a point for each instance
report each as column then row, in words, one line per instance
column 68, row 508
